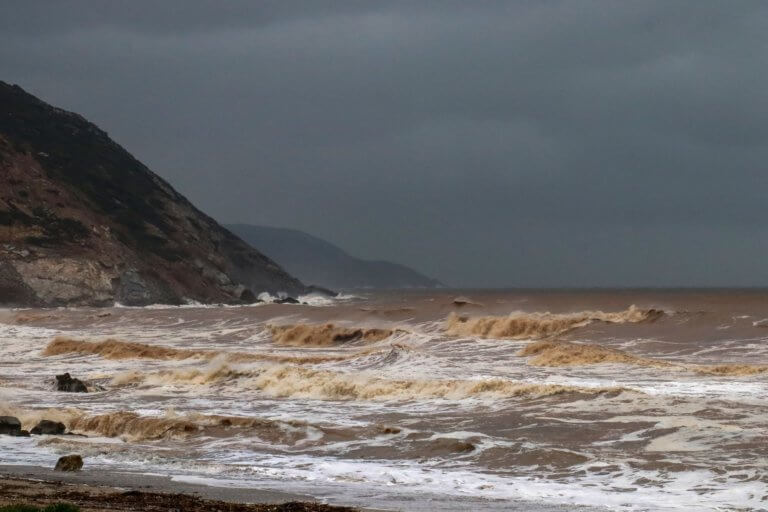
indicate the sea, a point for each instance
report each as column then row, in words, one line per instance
column 630, row 400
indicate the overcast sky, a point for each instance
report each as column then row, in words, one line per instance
column 514, row 143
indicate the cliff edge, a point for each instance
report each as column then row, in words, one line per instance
column 82, row 222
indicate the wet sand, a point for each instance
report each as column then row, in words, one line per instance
column 103, row 491
column 45, row 483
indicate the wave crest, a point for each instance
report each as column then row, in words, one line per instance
column 134, row 427
column 118, row 349
column 519, row 325
column 131, row 426
column 291, row 381
column 325, row 335
column 298, row 382
column 731, row 370
column 564, row 353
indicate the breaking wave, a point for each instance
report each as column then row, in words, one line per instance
column 118, row 349
column 218, row 371
column 730, row 370
column 131, row 426
column 291, row 381
column 325, row 335
column 298, row 382
column 564, row 353
column 521, row 325
column 30, row 317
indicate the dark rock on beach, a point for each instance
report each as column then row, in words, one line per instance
column 69, row 463
column 82, row 222
column 49, row 428
column 313, row 288
column 68, row 384
column 126, row 496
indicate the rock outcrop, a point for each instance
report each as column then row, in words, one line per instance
column 66, row 383
column 82, row 222
column 69, row 463
column 48, row 428
column 10, row 426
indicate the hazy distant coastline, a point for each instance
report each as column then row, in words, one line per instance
column 319, row 262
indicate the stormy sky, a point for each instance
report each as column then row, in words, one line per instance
column 516, row 143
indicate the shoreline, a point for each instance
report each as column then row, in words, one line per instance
column 96, row 490
column 101, row 491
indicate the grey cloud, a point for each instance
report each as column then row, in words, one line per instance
column 529, row 143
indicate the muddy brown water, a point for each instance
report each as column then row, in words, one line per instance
column 632, row 400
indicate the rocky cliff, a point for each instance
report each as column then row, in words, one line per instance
column 82, row 222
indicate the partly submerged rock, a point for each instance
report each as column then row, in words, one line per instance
column 10, row 425
column 464, row 301
column 49, row 428
column 321, row 290
column 287, row 300
column 446, row 446
column 66, row 383
column 69, row 463
column 245, row 294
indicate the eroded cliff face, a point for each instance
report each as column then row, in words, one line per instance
column 82, row 222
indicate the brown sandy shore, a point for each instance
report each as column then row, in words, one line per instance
column 101, row 491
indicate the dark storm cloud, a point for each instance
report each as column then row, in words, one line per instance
column 530, row 143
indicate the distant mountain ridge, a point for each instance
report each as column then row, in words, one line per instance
column 316, row 261
column 82, row 222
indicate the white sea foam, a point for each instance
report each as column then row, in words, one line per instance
column 324, row 458
column 356, row 482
